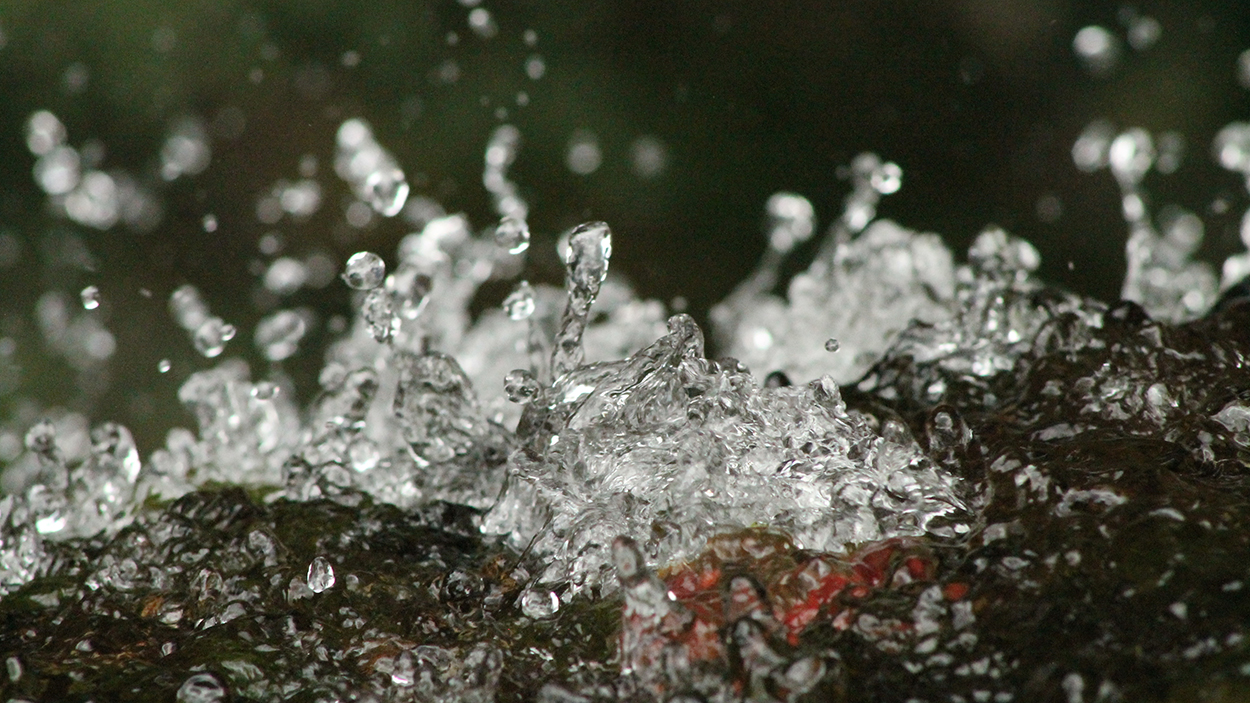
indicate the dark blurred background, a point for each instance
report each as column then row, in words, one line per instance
column 700, row 110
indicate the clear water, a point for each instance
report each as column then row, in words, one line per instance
column 575, row 452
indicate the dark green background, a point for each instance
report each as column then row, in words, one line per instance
column 979, row 101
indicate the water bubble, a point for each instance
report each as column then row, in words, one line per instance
column 1098, row 49
column 211, row 337
column 792, row 220
column 365, row 271
column 320, row 575
column 1131, row 155
column 539, row 603
column 163, row 366
column 519, row 305
column 513, row 235
column 387, row 191
column 201, row 688
column 831, row 345
column 90, row 297
column 278, row 335
column 520, row 386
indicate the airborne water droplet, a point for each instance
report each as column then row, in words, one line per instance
column 320, row 575
column 90, row 297
column 211, row 337
column 388, row 191
column 365, row 271
column 831, row 345
column 265, row 390
column 163, row 366
column 519, row 305
column 513, row 235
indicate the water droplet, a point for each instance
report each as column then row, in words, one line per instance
column 90, row 298
column 285, row 276
column 320, row 575
column 201, row 688
column 539, row 603
column 520, row 305
column 278, row 335
column 584, row 156
column 887, row 178
column 163, row 366
column 211, row 337
column 520, row 386
column 265, row 390
column 791, row 220
column 1097, row 48
column 209, row 223
column 365, row 271
column 1131, row 155
column 1232, row 146
column 1089, row 152
column 831, row 345
column 513, row 235
column 14, row 667
column 387, row 191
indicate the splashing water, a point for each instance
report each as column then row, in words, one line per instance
column 510, row 483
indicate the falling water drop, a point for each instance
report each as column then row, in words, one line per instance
column 520, row 305
column 365, row 271
column 791, row 220
column 387, row 191
column 163, row 366
column 211, row 337
column 513, row 235
column 831, row 345
column 90, row 298
column 265, row 390
column 320, row 575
